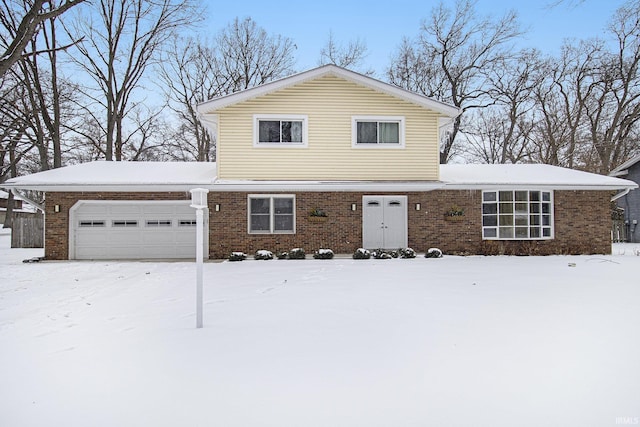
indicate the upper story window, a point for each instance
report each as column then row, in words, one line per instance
column 517, row 215
column 280, row 131
column 377, row 131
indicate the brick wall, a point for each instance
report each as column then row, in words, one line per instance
column 582, row 223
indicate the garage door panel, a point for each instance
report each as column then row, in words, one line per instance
column 159, row 209
column 166, row 238
column 90, row 237
column 125, row 210
column 123, row 237
column 135, row 230
column 93, row 210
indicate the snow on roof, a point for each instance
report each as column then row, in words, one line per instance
column 183, row 176
column 120, row 176
column 527, row 175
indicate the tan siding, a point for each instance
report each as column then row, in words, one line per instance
column 329, row 102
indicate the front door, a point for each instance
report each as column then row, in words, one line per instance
column 384, row 222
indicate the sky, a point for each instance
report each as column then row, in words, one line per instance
column 382, row 28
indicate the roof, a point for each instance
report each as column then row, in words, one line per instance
column 623, row 168
column 325, row 70
column 527, row 176
column 120, row 176
column 183, row 176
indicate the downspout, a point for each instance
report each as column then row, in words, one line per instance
column 621, row 194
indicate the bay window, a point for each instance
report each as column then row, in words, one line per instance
column 517, row 215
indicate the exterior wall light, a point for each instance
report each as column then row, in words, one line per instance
column 418, row 206
column 354, row 206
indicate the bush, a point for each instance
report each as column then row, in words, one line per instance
column 361, row 253
column 263, row 255
column 297, row 253
column 382, row 254
column 237, row 256
column 283, row 255
column 323, row 254
column 407, row 253
column 433, row 253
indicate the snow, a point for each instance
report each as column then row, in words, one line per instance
column 456, row 341
column 124, row 176
column 183, row 176
column 537, row 175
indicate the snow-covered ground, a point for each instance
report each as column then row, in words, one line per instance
column 457, row 341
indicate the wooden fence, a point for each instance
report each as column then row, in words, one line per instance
column 28, row 232
column 618, row 231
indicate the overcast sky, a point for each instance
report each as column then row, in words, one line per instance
column 382, row 25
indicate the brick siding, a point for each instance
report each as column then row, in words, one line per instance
column 582, row 223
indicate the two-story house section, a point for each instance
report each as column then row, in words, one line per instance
column 327, row 124
column 327, row 158
column 366, row 154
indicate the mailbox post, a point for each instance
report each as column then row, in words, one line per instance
column 199, row 202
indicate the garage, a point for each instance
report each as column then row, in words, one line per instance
column 133, row 230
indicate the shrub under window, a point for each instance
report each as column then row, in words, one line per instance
column 517, row 215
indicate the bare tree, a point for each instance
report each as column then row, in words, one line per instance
column 349, row 56
column 50, row 96
column 242, row 55
column 501, row 133
column 613, row 109
column 562, row 88
column 188, row 77
column 20, row 23
column 453, row 58
column 248, row 56
column 124, row 38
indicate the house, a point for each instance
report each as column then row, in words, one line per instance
column 630, row 201
column 20, row 207
column 327, row 158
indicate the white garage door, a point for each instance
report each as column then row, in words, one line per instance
column 133, row 230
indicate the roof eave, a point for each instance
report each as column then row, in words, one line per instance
column 529, row 186
column 110, row 188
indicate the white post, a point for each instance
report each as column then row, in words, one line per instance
column 199, row 202
column 199, row 256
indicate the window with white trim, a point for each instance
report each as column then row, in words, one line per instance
column 272, row 214
column 377, row 131
column 280, row 131
column 517, row 215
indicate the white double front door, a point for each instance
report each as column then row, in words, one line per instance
column 384, row 222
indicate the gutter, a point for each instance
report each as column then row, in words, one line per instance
column 621, row 194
